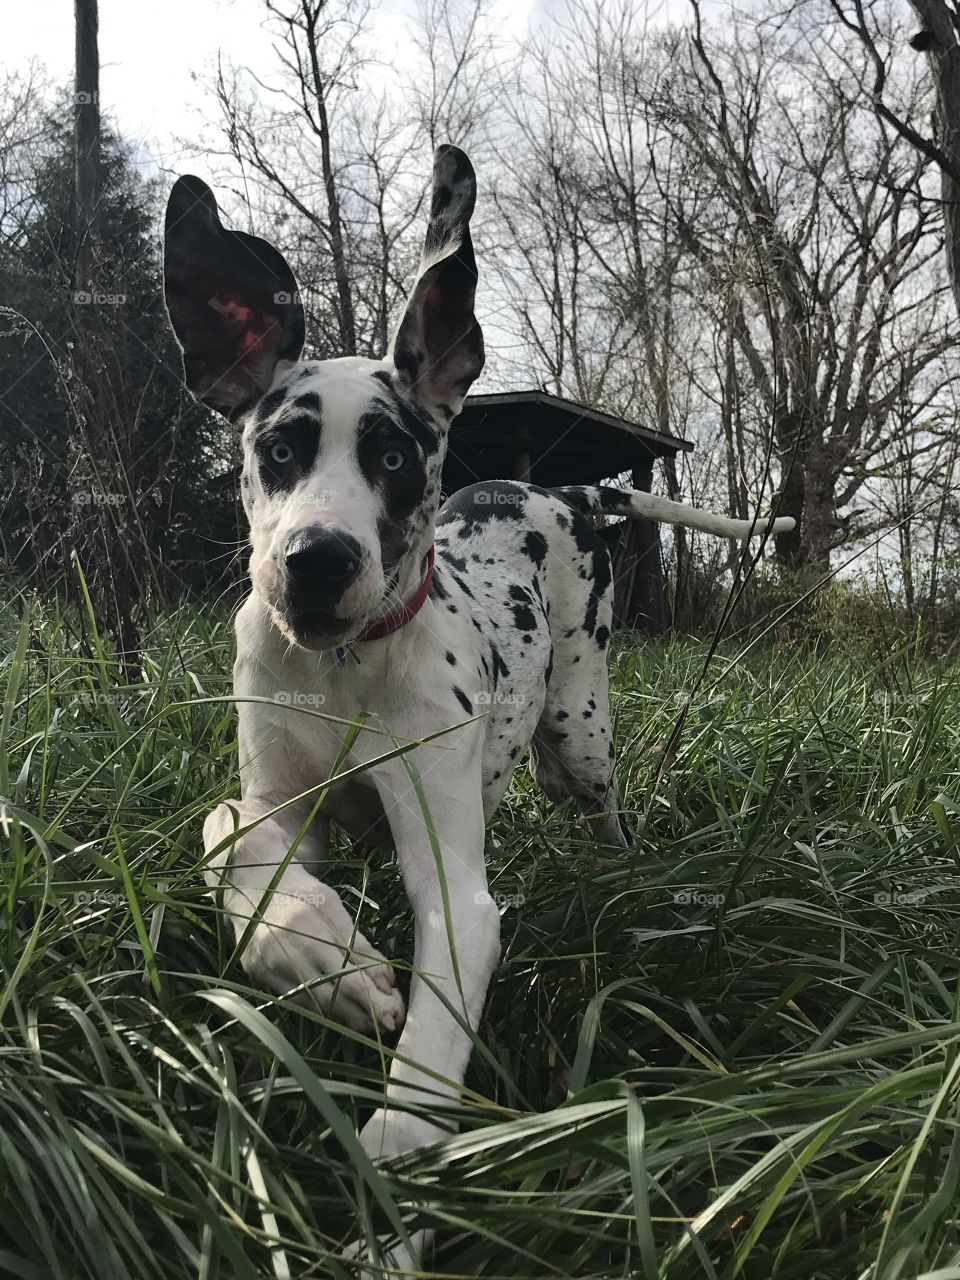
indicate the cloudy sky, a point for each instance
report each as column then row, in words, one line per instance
column 156, row 57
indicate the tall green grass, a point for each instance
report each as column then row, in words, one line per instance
column 731, row 1052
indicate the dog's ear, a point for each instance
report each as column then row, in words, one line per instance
column 232, row 302
column 438, row 348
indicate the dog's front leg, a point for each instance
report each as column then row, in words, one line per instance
column 456, row 949
column 302, row 931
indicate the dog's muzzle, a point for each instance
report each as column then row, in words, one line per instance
column 322, row 563
column 319, row 565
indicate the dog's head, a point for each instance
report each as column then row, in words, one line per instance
column 341, row 458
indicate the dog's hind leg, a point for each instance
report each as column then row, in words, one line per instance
column 572, row 752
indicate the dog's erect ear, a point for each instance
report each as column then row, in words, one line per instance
column 232, row 302
column 438, row 349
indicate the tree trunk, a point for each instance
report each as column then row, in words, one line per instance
column 944, row 59
column 347, row 317
column 791, row 547
column 86, row 140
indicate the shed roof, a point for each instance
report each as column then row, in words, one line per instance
column 565, row 442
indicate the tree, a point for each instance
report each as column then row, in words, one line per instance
column 345, row 211
column 824, row 251
column 160, row 457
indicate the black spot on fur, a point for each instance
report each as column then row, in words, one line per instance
column 411, row 417
column 500, row 668
column 524, row 618
column 270, row 403
column 599, row 573
column 451, row 658
column 479, row 503
column 463, row 700
column 301, row 436
column 402, row 489
column 535, row 546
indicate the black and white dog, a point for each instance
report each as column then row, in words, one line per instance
column 491, row 613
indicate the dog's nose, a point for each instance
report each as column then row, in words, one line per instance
column 323, row 557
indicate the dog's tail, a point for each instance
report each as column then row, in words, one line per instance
column 600, row 500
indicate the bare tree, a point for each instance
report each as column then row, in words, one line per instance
column 939, row 38
column 331, row 151
column 26, row 130
column 825, row 252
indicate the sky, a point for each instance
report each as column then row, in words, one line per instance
column 156, row 58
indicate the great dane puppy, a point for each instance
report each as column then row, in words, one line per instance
column 490, row 613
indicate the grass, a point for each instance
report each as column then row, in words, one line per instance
column 733, row 1052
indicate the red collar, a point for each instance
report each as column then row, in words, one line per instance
column 392, row 622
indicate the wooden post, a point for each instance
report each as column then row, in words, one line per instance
column 521, row 459
column 639, row 600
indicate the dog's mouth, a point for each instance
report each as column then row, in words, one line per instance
column 316, row 629
column 310, row 627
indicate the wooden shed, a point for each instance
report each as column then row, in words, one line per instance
column 535, row 436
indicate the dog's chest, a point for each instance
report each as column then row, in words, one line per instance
column 480, row 649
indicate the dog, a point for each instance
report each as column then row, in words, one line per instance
column 463, row 633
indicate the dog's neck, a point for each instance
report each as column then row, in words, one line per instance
column 409, row 579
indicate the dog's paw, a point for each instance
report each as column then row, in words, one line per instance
column 395, row 1260
column 392, row 1133
column 385, row 1135
column 308, row 934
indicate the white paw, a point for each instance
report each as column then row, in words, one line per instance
column 396, row 1260
column 304, row 936
column 385, row 1135
column 392, row 1133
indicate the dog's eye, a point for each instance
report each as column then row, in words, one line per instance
column 393, row 460
column 281, row 453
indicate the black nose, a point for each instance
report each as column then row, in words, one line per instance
column 323, row 558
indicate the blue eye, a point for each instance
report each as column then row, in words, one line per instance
column 281, row 453
column 392, row 460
